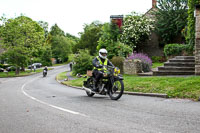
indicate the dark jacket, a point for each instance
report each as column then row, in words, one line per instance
column 96, row 63
column 45, row 69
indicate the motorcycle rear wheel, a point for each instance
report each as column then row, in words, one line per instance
column 117, row 90
column 90, row 83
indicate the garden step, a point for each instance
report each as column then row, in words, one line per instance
column 174, row 68
column 182, row 60
column 180, row 64
column 161, row 73
column 184, row 57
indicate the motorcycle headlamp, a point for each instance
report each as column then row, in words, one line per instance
column 117, row 70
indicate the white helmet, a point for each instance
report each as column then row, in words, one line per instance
column 103, row 51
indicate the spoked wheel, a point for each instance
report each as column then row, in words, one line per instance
column 117, row 90
column 90, row 84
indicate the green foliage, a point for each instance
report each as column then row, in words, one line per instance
column 61, row 48
column 177, row 50
column 72, row 37
column 21, row 38
column 56, row 31
column 109, row 40
column 44, row 25
column 83, row 62
column 158, row 59
column 136, row 29
column 190, row 36
column 171, row 18
column 118, row 62
column 46, row 56
column 89, row 38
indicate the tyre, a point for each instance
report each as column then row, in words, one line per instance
column 90, row 84
column 117, row 90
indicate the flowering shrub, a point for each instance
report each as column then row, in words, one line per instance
column 136, row 29
column 146, row 61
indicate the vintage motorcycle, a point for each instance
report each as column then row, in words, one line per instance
column 44, row 73
column 111, row 83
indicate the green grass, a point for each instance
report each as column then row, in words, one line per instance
column 61, row 76
column 181, row 87
column 176, row 87
column 27, row 72
column 77, row 82
column 157, row 64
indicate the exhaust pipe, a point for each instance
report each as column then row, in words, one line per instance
column 87, row 89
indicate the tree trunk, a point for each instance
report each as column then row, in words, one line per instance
column 23, row 69
column 17, row 71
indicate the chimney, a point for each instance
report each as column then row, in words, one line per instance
column 154, row 3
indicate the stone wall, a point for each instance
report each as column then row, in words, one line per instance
column 151, row 46
column 132, row 67
column 197, row 41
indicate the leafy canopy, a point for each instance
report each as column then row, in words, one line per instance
column 110, row 40
column 21, row 38
column 171, row 18
column 89, row 38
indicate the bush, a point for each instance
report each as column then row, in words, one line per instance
column 1, row 65
column 83, row 62
column 158, row 59
column 146, row 61
column 177, row 50
column 118, row 62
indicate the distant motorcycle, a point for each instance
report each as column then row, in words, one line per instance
column 111, row 83
column 44, row 73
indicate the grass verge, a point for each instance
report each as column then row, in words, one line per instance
column 62, row 76
column 26, row 73
column 175, row 87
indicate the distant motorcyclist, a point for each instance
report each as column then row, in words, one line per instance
column 45, row 71
column 98, row 63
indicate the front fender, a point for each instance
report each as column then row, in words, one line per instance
column 119, row 77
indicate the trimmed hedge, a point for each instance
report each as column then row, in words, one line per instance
column 177, row 50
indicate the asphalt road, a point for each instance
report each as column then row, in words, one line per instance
column 34, row 104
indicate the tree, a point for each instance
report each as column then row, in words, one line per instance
column 171, row 18
column 136, row 29
column 55, row 31
column 110, row 40
column 46, row 55
column 89, row 38
column 61, row 48
column 21, row 38
column 44, row 25
column 60, row 44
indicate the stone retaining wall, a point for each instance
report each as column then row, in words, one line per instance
column 132, row 67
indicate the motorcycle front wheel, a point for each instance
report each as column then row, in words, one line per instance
column 117, row 90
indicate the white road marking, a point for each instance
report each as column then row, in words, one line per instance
column 50, row 105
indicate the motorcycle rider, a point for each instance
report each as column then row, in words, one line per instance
column 46, row 69
column 98, row 63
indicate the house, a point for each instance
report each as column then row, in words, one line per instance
column 151, row 46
